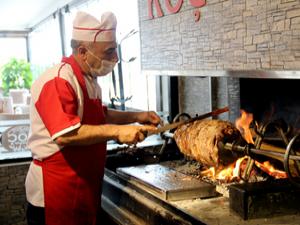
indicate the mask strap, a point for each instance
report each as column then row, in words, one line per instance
column 94, row 55
column 88, row 64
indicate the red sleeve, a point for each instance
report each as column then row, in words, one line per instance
column 104, row 109
column 57, row 106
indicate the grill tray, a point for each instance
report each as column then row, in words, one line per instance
column 166, row 183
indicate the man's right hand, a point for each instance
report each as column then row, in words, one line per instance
column 132, row 134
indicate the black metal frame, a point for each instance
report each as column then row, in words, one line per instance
column 173, row 98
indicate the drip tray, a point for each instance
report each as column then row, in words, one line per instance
column 166, row 183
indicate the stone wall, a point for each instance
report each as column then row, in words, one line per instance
column 198, row 95
column 12, row 193
column 194, row 95
column 231, row 34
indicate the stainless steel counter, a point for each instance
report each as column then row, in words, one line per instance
column 124, row 199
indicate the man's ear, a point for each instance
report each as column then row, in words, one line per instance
column 82, row 52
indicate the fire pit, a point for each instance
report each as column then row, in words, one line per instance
column 253, row 182
column 255, row 154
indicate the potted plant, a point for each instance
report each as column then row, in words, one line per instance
column 16, row 77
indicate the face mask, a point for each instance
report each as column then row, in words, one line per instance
column 105, row 68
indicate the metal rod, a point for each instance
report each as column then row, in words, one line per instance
column 28, row 52
column 271, row 153
column 257, row 145
column 286, row 161
column 121, row 83
column 179, row 123
column 250, row 162
column 62, row 33
column 247, row 150
column 286, row 141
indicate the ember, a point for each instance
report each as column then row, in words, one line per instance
column 228, row 174
column 269, row 169
column 232, row 172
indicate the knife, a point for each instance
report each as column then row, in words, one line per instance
column 177, row 124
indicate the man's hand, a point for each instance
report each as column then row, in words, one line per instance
column 148, row 118
column 132, row 134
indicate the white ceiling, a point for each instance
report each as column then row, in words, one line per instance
column 23, row 14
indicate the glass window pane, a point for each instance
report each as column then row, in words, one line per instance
column 143, row 95
column 13, row 128
column 45, row 46
column 12, row 48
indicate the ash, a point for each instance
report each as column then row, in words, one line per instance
column 193, row 168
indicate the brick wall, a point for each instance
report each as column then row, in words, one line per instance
column 12, row 193
column 231, row 34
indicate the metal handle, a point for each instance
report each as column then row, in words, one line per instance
column 287, row 158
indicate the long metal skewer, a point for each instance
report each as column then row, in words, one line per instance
column 248, row 150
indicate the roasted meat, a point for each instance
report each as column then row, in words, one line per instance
column 199, row 140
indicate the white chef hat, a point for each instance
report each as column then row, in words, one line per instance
column 87, row 28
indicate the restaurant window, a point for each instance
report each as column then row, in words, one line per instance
column 11, row 48
column 45, row 45
column 138, row 90
column 14, row 47
column 45, row 50
column 13, row 132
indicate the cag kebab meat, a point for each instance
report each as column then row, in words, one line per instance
column 199, row 140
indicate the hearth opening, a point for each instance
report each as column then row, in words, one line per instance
column 271, row 99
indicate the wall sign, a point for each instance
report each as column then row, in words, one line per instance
column 172, row 9
column 15, row 138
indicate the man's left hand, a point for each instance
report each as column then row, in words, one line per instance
column 148, row 118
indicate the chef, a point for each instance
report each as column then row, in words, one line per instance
column 70, row 127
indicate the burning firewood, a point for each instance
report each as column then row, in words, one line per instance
column 199, row 140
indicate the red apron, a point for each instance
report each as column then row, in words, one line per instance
column 72, row 177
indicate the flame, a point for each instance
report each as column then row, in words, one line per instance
column 269, row 169
column 232, row 172
column 227, row 174
column 210, row 172
column 243, row 124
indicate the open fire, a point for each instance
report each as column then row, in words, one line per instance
column 232, row 173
